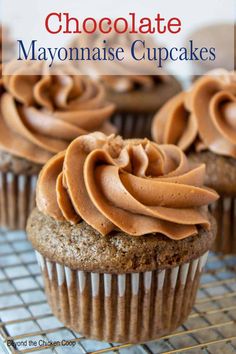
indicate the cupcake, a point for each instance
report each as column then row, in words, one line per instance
column 7, row 49
column 39, row 116
column 221, row 36
column 121, row 232
column 202, row 122
column 137, row 97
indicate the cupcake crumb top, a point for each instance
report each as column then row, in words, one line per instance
column 82, row 247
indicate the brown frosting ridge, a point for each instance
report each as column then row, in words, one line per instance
column 135, row 186
column 40, row 114
column 202, row 118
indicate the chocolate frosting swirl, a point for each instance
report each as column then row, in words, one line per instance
column 41, row 114
column 203, row 118
column 135, row 186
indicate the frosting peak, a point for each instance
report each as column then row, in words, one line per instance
column 203, row 118
column 135, row 186
column 41, row 114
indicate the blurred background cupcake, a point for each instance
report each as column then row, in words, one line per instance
column 39, row 116
column 221, row 36
column 137, row 97
column 122, row 231
column 7, row 49
column 202, row 122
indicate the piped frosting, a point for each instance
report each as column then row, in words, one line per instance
column 202, row 118
column 135, row 186
column 41, row 114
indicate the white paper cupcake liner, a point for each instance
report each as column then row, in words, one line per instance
column 17, row 199
column 133, row 125
column 134, row 307
column 224, row 211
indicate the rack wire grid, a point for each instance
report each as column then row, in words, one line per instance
column 27, row 324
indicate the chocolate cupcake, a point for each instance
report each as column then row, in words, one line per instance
column 221, row 36
column 137, row 97
column 39, row 116
column 202, row 122
column 121, row 232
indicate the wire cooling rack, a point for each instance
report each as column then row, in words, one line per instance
column 27, row 324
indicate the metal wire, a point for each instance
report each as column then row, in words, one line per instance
column 28, row 326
